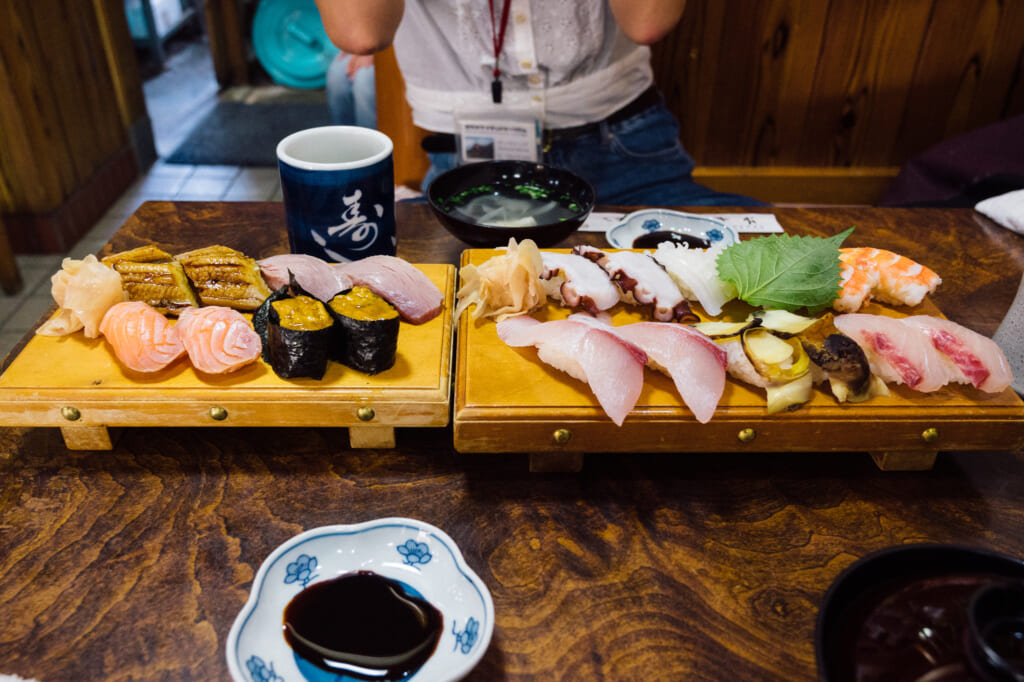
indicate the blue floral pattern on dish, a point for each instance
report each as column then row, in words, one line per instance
column 415, row 552
column 714, row 235
column 651, row 225
column 301, row 570
column 261, row 671
column 465, row 640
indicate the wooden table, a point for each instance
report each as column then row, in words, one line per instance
column 132, row 563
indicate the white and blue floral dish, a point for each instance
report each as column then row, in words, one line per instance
column 650, row 220
column 421, row 557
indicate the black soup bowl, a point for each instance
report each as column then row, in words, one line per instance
column 487, row 203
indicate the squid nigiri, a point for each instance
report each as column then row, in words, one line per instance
column 218, row 339
column 141, row 337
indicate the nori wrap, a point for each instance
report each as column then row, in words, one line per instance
column 300, row 332
column 369, row 330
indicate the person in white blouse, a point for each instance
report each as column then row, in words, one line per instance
column 580, row 69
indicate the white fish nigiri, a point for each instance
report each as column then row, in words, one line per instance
column 578, row 282
column 896, row 351
column 315, row 275
column 695, row 272
column 641, row 280
column 978, row 359
column 612, row 367
column 694, row 362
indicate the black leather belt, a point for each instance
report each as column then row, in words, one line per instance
column 438, row 143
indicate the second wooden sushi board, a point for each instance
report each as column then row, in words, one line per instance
column 77, row 384
column 506, row 400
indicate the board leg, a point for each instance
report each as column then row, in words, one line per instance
column 915, row 460
column 87, row 438
column 371, row 437
column 545, row 462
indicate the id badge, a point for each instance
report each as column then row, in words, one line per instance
column 498, row 133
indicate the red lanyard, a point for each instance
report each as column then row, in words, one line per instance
column 498, row 38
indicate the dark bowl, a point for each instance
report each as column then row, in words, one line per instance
column 455, row 188
column 904, row 613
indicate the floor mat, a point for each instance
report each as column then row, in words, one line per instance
column 239, row 134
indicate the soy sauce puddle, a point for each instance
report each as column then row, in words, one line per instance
column 652, row 239
column 363, row 625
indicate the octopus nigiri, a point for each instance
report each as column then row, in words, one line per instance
column 142, row 338
column 218, row 339
column 889, row 277
column 641, row 281
column 578, row 282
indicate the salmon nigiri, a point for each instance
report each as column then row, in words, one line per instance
column 218, row 339
column 142, row 338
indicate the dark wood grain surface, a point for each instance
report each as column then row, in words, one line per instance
column 131, row 564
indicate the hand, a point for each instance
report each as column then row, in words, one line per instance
column 357, row 62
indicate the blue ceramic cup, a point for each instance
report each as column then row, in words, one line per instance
column 339, row 192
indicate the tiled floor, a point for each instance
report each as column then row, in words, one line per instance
column 182, row 94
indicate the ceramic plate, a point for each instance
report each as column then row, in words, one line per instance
column 650, row 220
column 421, row 557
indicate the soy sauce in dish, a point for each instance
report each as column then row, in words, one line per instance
column 363, row 625
column 651, row 240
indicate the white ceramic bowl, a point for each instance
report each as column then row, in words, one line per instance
column 650, row 220
column 423, row 558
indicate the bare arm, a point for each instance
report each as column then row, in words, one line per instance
column 361, row 26
column 647, row 21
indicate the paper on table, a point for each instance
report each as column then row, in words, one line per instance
column 741, row 222
column 1005, row 209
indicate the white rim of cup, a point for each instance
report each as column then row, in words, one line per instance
column 343, row 165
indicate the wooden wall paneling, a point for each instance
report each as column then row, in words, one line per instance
column 859, row 93
column 28, row 118
column 1001, row 91
column 123, row 64
column 68, row 61
column 955, row 50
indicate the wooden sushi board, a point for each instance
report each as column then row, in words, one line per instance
column 506, row 400
column 77, row 384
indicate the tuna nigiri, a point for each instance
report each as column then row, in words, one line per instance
column 978, row 360
column 404, row 286
column 142, row 338
column 612, row 367
column 218, row 339
column 896, row 351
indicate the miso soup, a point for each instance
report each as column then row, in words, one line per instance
column 520, row 205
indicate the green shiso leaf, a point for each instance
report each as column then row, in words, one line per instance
column 785, row 272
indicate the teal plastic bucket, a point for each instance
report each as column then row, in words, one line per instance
column 291, row 44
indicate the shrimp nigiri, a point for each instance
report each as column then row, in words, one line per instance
column 887, row 276
column 218, row 339
column 142, row 338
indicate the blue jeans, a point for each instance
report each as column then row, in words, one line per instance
column 635, row 162
column 351, row 102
